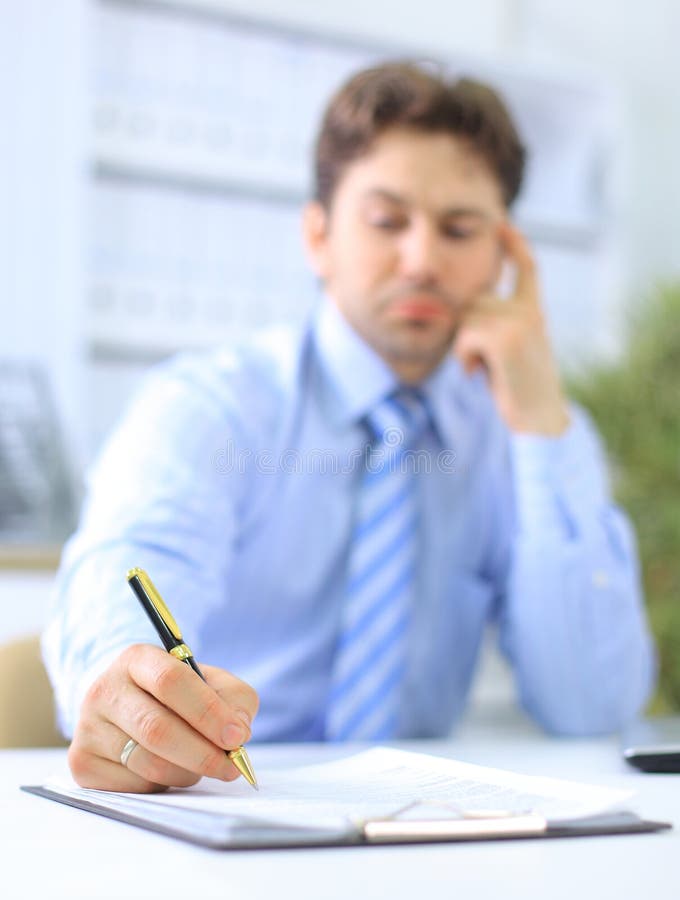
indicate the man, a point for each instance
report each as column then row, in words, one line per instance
column 351, row 588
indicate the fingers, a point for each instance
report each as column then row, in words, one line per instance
column 150, row 767
column 471, row 350
column 479, row 332
column 94, row 758
column 518, row 249
column 162, row 732
column 234, row 692
column 100, row 774
column 182, row 725
column 222, row 713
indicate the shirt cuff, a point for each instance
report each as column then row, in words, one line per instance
column 560, row 482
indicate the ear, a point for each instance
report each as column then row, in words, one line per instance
column 314, row 233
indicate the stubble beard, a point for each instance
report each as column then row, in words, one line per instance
column 408, row 344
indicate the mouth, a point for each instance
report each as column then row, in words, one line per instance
column 420, row 306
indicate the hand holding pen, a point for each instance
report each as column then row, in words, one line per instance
column 148, row 722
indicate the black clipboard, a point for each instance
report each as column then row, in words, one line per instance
column 227, row 832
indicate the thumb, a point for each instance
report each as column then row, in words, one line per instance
column 469, row 350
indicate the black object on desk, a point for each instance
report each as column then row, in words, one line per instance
column 653, row 745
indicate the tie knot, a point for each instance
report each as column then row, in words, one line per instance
column 400, row 419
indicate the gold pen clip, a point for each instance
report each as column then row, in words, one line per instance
column 157, row 601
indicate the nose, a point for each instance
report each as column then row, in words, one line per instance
column 420, row 252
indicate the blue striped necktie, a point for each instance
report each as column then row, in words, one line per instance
column 370, row 658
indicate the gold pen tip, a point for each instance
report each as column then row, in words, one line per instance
column 240, row 759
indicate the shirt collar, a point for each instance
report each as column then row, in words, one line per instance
column 360, row 379
column 448, row 394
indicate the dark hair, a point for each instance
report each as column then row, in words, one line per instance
column 403, row 94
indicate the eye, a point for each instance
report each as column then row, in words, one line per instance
column 388, row 223
column 459, row 232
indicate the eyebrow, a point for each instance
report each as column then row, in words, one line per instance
column 451, row 212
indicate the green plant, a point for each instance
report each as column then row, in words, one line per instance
column 636, row 405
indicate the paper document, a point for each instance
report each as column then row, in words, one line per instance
column 372, row 784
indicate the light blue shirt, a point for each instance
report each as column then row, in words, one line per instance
column 232, row 481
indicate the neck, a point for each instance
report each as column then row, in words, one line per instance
column 412, row 371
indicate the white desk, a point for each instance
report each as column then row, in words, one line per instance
column 51, row 851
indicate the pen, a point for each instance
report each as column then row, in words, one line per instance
column 169, row 633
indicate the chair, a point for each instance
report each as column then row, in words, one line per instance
column 27, row 717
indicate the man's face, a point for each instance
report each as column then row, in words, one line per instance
column 409, row 244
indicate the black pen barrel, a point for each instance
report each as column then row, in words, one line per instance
column 164, row 633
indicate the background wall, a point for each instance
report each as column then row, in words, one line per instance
column 633, row 46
